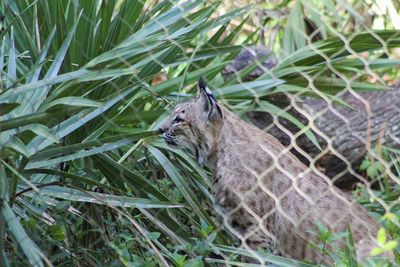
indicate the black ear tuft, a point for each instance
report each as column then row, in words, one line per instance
column 202, row 84
column 208, row 101
column 204, row 90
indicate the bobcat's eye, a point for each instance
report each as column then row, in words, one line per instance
column 177, row 120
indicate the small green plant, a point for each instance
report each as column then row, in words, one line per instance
column 329, row 245
column 374, row 168
column 389, row 194
column 384, row 243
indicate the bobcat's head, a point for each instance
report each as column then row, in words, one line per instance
column 195, row 124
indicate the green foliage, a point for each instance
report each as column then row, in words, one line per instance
column 84, row 179
column 384, row 244
column 348, row 257
column 384, row 204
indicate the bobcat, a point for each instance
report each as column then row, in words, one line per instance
column 270, row 198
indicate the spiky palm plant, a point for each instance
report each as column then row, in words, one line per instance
column 83, row 181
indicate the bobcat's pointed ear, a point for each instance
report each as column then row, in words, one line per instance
column 208, row 101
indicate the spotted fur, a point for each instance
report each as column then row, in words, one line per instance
column 269, row 198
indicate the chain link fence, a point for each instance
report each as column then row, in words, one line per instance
column 87, row 180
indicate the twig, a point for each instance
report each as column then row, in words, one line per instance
column 157, row 95
column 160, row 96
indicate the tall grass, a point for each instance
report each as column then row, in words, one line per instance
column 84, row 179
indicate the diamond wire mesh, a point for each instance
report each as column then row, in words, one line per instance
column 303, row 112
column 312, row 111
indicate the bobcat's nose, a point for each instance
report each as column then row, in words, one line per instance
column 163, row 129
